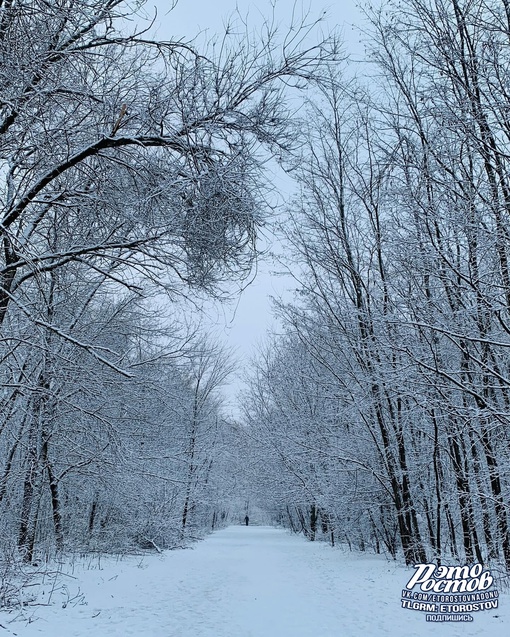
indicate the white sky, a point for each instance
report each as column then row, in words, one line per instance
column 244, row 325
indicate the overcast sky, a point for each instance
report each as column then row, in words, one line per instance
column 243, row 325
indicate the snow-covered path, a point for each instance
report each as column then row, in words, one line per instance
column 245, row 582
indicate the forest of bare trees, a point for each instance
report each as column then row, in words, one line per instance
column 386, row 402
column 133, row 184
column 131, row 188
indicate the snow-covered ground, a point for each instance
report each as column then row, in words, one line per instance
column 242, row 582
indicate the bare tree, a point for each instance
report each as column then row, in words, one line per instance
column 140, row 152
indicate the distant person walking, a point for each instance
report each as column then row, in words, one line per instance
column 246, row 520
